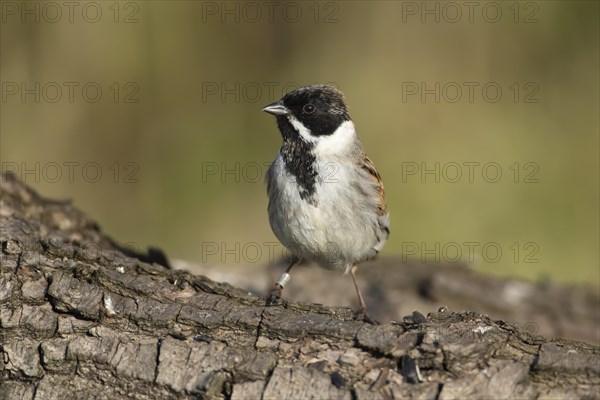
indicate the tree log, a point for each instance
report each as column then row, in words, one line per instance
column 81, row 318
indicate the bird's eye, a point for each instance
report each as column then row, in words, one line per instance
column 309, row 108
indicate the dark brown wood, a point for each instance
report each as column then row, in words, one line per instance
column 81, row 319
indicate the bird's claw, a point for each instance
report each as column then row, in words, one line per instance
column 274, row 295
column 361, row 315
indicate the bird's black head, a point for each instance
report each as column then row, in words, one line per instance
column 319, row 108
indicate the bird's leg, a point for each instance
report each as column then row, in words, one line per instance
column 362, row 307
column 275, row 293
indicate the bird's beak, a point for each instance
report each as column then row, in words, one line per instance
column 276, row 109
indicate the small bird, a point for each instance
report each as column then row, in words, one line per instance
column 326, row 199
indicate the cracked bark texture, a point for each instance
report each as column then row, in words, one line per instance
column 79, row 319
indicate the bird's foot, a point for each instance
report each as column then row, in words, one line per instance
column 362, row 315
column 274, row 295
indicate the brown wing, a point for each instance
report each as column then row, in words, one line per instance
column 372, row 173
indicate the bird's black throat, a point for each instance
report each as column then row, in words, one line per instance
column 299, row 159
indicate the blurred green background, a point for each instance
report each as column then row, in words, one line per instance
column 170, row 150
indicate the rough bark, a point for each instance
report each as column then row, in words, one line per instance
column 80, row 318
